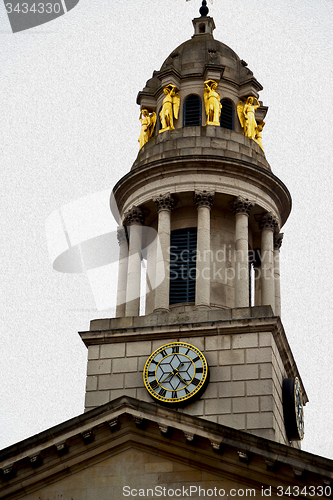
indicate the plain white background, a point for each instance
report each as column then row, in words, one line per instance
column 69, row 128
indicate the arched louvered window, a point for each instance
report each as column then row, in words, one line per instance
column 227, row 114
column 183, row 247
column 192, row 111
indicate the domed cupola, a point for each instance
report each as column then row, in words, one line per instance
column 202, row 182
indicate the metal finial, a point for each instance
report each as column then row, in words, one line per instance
column 204, row 9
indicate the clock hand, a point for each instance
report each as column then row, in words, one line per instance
column 181, row 378
column 161, row 381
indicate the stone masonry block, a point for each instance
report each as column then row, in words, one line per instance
column 139, row 348
column 219, row 143
column 233, row 146
column 211, row 418
column 141, row 363
column 265, row 370
column 236, row 357
column 117, row 393
column 99, row 367
column 245, row 340
column 143, row 395
column 212, row 358
column 210, row 131
column 232, row 420
column 245, row 405
column 231, row 389
column 266, row 403
column 186, row 142
column 198, row 342
column 190, row 151
column 260, row 420
column 195, row 409
column 211, row 391
column 93, row 352
column 261, row 355
column 220, row 373
column 259, row 387
column 94, row 399
column 218, row 343
column 218, row 406
column 91, row 384
column 114, row 381
column 125, row 365
column 265, row 339
column 245, row 372
column 133, row 380
column 113, row 351
column 191, row 131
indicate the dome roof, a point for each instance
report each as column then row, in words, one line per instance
column 195, row 57
column 192, row 56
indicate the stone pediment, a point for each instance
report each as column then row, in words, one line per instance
column 141, row 445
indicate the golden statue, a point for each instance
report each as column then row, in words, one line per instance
column 147, row 126
column 258, row 137
column 213, row 104
column 170, row 107
column 246, row 115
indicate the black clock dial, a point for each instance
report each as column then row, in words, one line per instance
column 176, row 374
column 293, row 409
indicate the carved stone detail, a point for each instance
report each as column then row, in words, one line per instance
column 88, row 436
column 36, row 460
column 242, row 206
column 121, row 235
column 164, row 202
column 62, row 449
column 244, row 456
column 217, row 446
column 134, row 216
column 203, row 199
column 165, row 430
column 140, row 422
column 268, row 221
column 278, row 237
column 114, row 424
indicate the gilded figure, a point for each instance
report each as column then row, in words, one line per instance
column 148, row 122
column 246, row 115
column 170, row 108
column 213, row 104
column 258, row 137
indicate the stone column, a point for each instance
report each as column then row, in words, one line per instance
column 165, row 204
column 203, row 201
column 242, row 207
column 277, row 245
column 122, row 272
column 134, row 219
column 267, row 225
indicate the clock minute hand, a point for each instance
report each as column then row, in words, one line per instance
column 161, row 381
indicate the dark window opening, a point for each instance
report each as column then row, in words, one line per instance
column 192, row 111
column 227, row 114
column 183, row 249
column 202, row 28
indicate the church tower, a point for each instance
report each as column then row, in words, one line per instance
column 203, row 210
column 192, row 389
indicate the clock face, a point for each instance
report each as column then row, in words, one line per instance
column 299, row 408
column 293, row 409
column 176, row 374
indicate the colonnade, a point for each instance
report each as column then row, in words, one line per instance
column 130, row 241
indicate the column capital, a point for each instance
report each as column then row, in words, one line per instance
column 278, row 237
column 203, row 199
column 121, row 235
column 164, row 202
column 242, row 206
column 134, row 216
column 267, row 221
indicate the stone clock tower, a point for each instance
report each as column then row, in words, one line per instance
column 203, row 209
column 199, row 396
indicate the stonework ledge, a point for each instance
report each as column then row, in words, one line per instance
column 203, row 142
column 127, row 412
